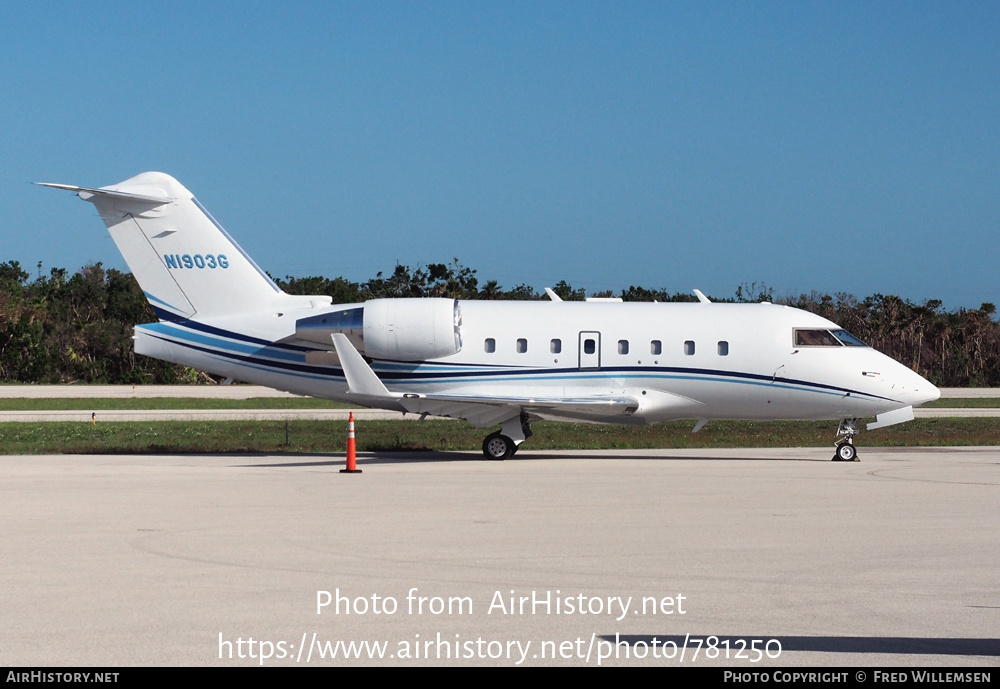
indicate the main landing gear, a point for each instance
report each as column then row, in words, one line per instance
column 498, row 446
column 504, row 443
column 846, row 452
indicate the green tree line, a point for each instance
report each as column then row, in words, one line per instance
column 61, row 328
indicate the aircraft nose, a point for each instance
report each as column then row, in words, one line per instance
column 919, row 390
column 928, row 393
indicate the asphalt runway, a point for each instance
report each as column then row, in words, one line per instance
column 105, row 415
column 360, row 414
column 231, row 392
column 240, row 391
column 255, row 391
column 446, row 559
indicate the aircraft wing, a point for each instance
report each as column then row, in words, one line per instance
column 481, row 411
column 489, row 411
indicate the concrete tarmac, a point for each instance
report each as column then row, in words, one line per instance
column 446, row 559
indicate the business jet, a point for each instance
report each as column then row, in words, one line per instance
column 492, row 363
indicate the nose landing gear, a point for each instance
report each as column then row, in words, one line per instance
column 846, row 451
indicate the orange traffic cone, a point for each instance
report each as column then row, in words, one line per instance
column 352, row 464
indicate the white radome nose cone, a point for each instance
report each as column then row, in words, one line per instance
column 919, row 389
column 926, row 393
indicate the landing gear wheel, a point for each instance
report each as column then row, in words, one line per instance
column 846, row 432
column 499, row 447
column 845, row 453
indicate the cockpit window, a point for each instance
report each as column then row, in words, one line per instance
column 826, row 338
column 848, row 339
column 815, row 338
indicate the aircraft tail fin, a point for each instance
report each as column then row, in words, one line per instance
column 185, row 262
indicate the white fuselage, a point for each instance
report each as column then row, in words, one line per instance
column 679, row 360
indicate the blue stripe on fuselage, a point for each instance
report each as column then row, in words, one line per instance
column 275, row 358
column 259, row 347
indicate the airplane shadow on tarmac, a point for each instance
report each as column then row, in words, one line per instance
column 417, row 457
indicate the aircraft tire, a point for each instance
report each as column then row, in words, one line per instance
column 845, row 453
column 498, row 447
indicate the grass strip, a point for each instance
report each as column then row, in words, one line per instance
column 330, row 436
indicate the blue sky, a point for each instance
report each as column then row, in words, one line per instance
column 830, row 146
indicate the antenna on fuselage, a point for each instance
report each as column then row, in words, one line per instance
column 701, row 297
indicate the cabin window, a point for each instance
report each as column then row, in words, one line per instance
column 555, row 346
column 522, row 345
column 623, row 346
column 723, row 348
column 656, row 347
column 689, row 347
column 490, row 345
column 589, row 346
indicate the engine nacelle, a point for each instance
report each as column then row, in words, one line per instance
column 412, row 329
column 396, row 329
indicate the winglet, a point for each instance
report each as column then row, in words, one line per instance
column 361, row 379
column 701, row 297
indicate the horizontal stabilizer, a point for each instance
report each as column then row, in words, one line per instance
column 86, row 193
